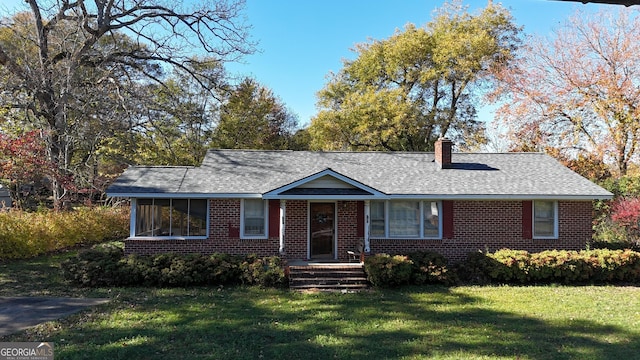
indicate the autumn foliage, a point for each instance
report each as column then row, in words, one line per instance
column 578, row 89
column 625, row 212
column 23, row 157
column 24, row 162
column 27, row 234
column 600, row 266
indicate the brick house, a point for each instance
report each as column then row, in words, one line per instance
column 318, row 205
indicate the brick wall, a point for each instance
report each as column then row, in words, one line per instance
column 492, row 225
column 296, row 224
column 348, row 238
column 477, row 225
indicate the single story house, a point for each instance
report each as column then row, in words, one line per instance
column 319, row 205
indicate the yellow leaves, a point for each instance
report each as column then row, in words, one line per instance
column 403, row 92
column 364, row 120
column 26, row 234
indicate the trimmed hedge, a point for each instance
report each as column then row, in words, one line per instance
column 417, row 268
column 385, row 270
column 566, row 267
column 28, row 234
column 266, row 271
column 600, row 266
column 106, row 265
column 429, row 268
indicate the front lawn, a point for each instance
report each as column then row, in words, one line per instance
column 408, row 323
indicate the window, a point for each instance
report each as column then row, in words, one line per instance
column 405, row 219
column 431, row 216
column 545, row 219
column 171, row 217
column 254, row 218
column 376, row 214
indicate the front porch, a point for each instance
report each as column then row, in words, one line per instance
column 322, row 231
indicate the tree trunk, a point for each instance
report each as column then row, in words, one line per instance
column 59, row 156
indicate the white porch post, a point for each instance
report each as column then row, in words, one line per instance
column 283, row 209
column 367, row 211
column 132, row 217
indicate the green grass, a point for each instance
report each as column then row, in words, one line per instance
column 550, row 322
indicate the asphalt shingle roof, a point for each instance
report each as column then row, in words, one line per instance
column 480, row 175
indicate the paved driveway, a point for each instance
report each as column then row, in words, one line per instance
column 19, row 313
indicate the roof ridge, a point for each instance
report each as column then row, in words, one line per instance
column 253, row 150
column 165, row 166
column 503, row 153
column 379, row 152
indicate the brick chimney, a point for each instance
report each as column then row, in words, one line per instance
column 443, row 152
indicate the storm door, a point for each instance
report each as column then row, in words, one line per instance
column 322, row 230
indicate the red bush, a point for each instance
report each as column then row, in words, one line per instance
column 626, row 212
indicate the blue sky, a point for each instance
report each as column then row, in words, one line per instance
column 301, row 41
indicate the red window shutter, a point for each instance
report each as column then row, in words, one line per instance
column 527, row 215
column 274, row 218
column 447, row 219
column 234, row 232
column 360, row 219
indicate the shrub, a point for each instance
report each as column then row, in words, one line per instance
column 136, row 270
column 559, row 266
column 515, row 266
column 223, row 269
column 625, row 212
column 617, row 227
column 614, row 265
column 180, row 270
column 107, row 266
column 568, row 267
column 384, row 270
column 98, row 266
column 429, row 268
column 26, row 234
column 475, row 269
column 267, row 271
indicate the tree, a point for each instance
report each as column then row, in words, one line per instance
column 578, row 90
column 586, row 165
column 300, row 141
column 405, row 92
column 77, row 68
column 23, row 164
column 254, row 118
column 176, row 125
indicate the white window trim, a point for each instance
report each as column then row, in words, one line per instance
column 421, row 236
column 133, row 218
column 265, row 203
column 385, row 217
column 555, row 220
column 422, row 219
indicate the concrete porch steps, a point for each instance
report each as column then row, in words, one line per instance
column 333, row 277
